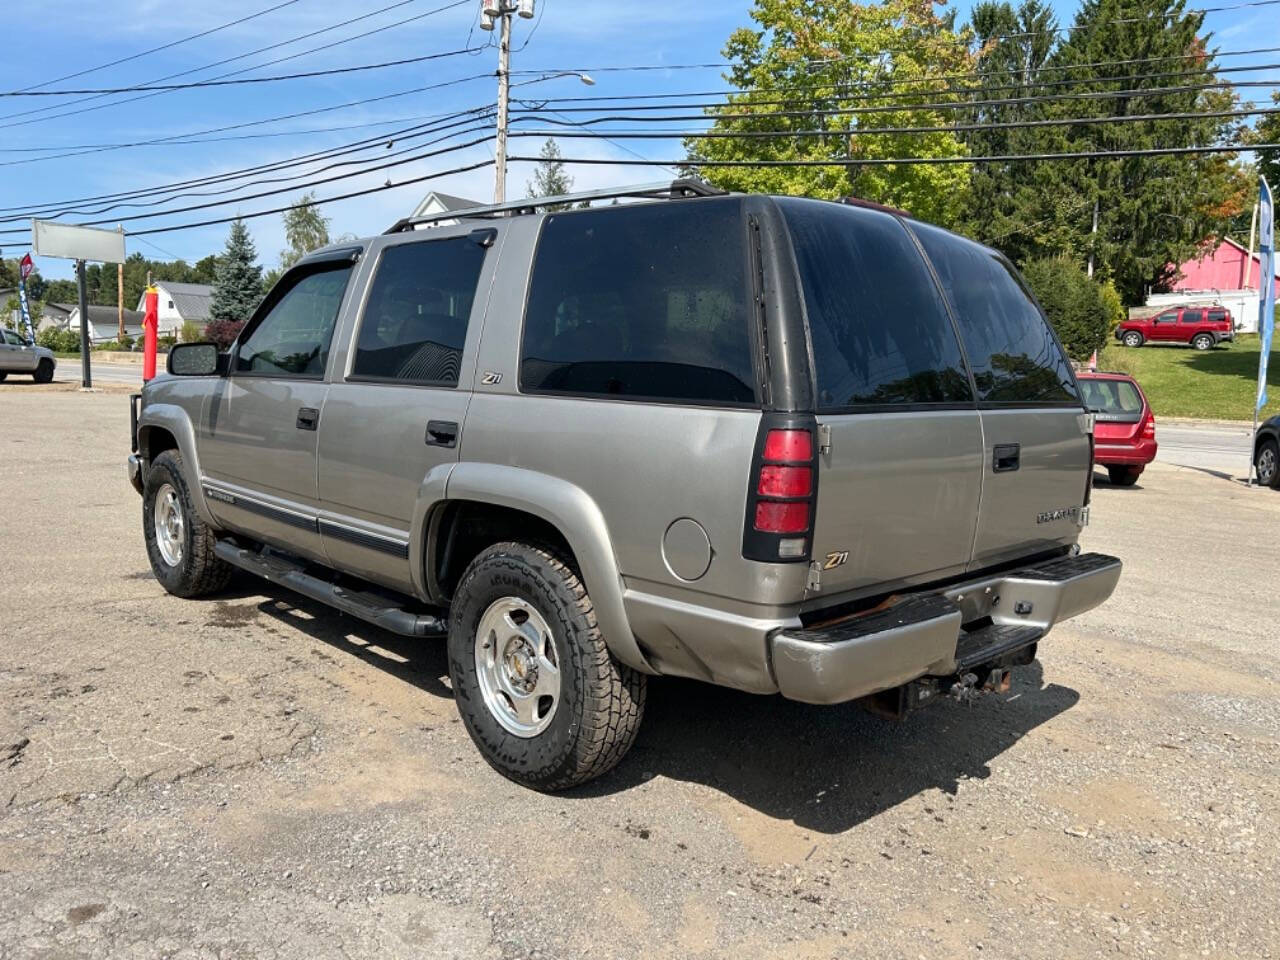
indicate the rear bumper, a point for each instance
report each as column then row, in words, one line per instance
column 1124, row 454
column 921, row 635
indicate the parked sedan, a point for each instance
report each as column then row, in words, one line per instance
column 1124, row 431
column 1266, row 453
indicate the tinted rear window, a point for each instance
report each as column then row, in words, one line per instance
column 880, row 330
column 1192, row 316
column 1014, row 356
column 1217, row 315
column 1111, row 399
column 645, row 302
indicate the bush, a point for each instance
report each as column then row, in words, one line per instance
column 191, row 332
column 1114, row 306
column 1074, row 303
column 223, row 332
column 59, row 341
column 126, row 343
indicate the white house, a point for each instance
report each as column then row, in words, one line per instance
column 434, row 203
column 179, row 303
column 104, row 322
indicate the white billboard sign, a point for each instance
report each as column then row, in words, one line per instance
column 49, row 239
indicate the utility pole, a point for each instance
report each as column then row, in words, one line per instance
column 120, row 292
column 1248, row 260
column 498, row 13
column 1093, row 236
column 86, row 378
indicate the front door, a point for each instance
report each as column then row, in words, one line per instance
column 398, row 401
column 1165, row 326
column 259, row 428
column 15, row 355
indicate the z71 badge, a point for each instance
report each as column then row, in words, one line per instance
column 1066, row 513
column 835, row 559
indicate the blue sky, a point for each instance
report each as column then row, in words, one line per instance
column 61, row 36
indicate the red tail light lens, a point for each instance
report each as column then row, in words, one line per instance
column 775, row 517
column 788, row 446
column 785, row 482
column 1149, row 428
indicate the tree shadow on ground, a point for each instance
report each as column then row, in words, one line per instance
column 1231, row 362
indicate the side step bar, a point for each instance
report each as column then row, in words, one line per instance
column 370, row 607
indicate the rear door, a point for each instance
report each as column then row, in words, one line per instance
column 1191, row 322
column 399, row 396
column 1036, row 466
column 898, row 493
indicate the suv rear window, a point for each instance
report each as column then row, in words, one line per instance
column 1014, row 355
column 641, row 303
column 880, row 331
column 1112, row 400
column 1217, row 316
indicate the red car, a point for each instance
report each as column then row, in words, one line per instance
column 1202, row 327
column 1124, row 432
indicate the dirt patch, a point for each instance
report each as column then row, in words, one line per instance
column 232, row 615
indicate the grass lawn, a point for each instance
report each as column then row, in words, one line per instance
column 1218, row 384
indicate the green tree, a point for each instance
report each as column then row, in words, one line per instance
column 237, row 288
column 304, row 230
column 549, row 177
column 1154, row 211
column 821, row 56
column 1268, row 131
column 1075, row 304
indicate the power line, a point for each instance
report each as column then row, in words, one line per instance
column 195, row 84
column 165, row 46
column 914, row 161
column 208, row 66
column 318, row 202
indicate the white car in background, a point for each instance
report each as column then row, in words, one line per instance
column 18, row 355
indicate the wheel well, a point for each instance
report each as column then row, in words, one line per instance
column 153, row 441
column 1262, row 438
column 467, row 527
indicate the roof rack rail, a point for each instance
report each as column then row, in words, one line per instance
column 665, row 190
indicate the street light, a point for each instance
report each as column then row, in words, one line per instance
column 584, row 77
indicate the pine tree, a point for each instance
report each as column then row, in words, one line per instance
column 1268, row 131
column 549, row 177
column 237, row 288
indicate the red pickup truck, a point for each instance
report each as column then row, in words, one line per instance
column 1202, row 327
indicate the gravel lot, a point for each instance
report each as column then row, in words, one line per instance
column 256, row 776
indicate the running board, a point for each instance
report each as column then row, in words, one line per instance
column 370, row 607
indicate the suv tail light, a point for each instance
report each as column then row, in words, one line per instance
column 783, row 492
column 1149, row 428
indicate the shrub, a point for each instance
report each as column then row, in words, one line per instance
column 126, row 343
column 1073, row 302
column 223, row 332
column 59, row 341
column 191, row 332
column 1114, row 306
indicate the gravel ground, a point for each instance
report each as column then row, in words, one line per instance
column 256, row 776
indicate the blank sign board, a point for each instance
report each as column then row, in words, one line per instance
column 50, row 239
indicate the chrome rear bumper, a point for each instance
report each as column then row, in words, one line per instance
column 921, row 635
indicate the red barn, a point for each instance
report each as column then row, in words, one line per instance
column 1222, row 268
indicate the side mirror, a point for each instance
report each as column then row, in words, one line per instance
column 194, row 360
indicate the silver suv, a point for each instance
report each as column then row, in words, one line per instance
column 20, row 355
column 788, row 446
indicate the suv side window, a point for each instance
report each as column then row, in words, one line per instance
column 291, row 339
column 647, row 302
column 1170, row 317
column 414, row 322
column 1217, row 316
column 1193, row 316
column 14, row 339
column 1014, row 355
column 880, row 331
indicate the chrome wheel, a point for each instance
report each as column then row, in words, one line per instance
column 1267, row 465
column 169, row 524
column 516, row 666
column 1132, row 340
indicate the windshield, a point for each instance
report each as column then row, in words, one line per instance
column 1112, row 399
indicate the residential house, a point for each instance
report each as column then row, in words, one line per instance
column 104, row 322
column 434, row 203
column 179, row 303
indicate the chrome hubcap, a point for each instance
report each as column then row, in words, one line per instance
column 517, row 668
column 1266, row 465
column 170, row 528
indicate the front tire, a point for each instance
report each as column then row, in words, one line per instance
column 1123, row 476
column 1267, row 462
column 44, row 371
column 1133, row 339
column 1202, row 341
column 179, row 543
column 541, row 697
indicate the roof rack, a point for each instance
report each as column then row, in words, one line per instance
column 666, row 190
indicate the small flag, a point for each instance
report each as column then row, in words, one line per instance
column 1093, row 362
column 26, row 265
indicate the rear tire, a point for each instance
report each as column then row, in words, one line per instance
column 3, row 376
column 1132, row 338
column 1202, row 341
column 1266, row 462
column 541, row 697
column 1123, row 476
column 179, row 543
column 44, row 371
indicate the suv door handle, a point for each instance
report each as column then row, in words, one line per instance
column 308, row 418
column 1005, row 457
column 442, row 433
